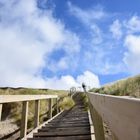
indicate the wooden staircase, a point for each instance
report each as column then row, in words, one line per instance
column 72, row 124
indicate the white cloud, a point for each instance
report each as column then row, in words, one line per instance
column 96, row 34
column 27, row 36
column 133, row 24
column 101, row 64
column 115, row 28
column 132, row 56
column 89, row 79
column 89, row 18
column 66, row 82
column 89, row 15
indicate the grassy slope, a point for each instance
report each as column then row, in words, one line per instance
column 125, row 87
column 13, row 110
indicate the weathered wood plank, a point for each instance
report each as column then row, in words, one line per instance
column 68, row 122
column 84, row 137
column 20, row 98
column 24, row 119
column 65, row 129
column 72, row 119
column 66, row 133
column 57, row 105
column 65, row 126
column 36, row 116
column 50, row 108
column 0, row 111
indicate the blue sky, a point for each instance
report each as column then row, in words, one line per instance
column 62, row 43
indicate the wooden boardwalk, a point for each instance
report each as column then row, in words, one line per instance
column 72, row 124
column 116, row 112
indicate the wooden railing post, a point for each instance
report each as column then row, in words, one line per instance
column 50, row 108
column 0, row 111
column 24, row 119
column 37, row 110
column 98, row 123
column 57, row 107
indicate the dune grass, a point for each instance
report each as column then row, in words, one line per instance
column 125, row 87
column 66, row 103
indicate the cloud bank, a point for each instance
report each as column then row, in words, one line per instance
column 27, row 36
column 66, row 82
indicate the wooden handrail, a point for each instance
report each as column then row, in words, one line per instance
column 20, row 98
column 121, row 113
column 25, row 99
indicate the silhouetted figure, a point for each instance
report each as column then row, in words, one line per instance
column 84, row 87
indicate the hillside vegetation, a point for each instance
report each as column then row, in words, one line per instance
column 125, row 87
column 30, row 91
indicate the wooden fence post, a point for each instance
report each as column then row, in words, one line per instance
column 24, row 119
column 0, row 111
column 37, row 110
column 98, row 123
column 50, row 108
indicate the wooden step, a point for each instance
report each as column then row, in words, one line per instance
column 63, row 129
column 85, row 137
column 67, row 125
column 66, row 133
column 72, row 119
column 69, row 122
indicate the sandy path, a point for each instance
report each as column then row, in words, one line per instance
column 7, row 127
